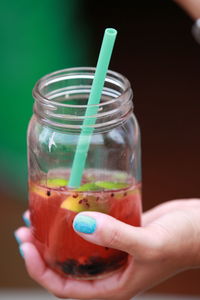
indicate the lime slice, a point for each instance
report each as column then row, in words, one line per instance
column 111, row 185
column 88, row 187
column 56, row 182
column 99, row 185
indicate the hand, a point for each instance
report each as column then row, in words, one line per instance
column 192, row 7
column 166, row 244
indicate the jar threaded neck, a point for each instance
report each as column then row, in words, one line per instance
column 61, row 99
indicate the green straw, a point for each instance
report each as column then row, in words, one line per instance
column 83, row 144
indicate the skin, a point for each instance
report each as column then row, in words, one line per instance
column 167, row 243
column 192, row 7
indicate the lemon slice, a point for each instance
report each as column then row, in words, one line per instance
column 78, row 203
column 38, row 191
column 73, row 204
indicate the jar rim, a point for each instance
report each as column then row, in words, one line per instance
column 52, row 92
column 48, row 78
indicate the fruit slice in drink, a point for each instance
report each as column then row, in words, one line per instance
column 52, row 213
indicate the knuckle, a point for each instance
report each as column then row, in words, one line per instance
column 112, row 237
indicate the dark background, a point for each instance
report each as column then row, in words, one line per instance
column 157, row 53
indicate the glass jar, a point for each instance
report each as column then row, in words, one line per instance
column 111, row 180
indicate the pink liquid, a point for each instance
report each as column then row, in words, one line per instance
column 52, row 213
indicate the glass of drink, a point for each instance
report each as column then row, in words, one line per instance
column 111, row 181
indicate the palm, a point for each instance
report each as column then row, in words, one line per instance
column 164, row 227
column 67, row 287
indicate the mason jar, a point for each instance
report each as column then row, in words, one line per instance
column 109, row 183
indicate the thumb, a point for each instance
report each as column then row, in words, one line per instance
column 104, row 230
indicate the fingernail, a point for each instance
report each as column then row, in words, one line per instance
column 17, row 238
column 84, row 224
column 26, row 221
column 21, row 252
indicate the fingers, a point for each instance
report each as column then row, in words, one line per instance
column 65, row 287
column 26, row 218
column 160, row 210
column 192, row 7
column 107, row 231
column 23, row 235
column 38, row 270
column 168, row 207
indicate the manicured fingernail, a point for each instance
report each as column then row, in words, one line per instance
column 17, row 238
column 84, row 224
column 21, row 252
column 26, row 221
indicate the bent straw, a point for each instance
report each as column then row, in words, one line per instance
column 92, row 108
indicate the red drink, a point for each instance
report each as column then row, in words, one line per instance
column 52, row 213
column 112, row 173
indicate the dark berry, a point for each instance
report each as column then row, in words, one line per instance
column 48, row 193
column 93, row 265
column 112, row 195
column 69, row 266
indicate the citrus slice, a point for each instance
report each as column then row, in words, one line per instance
column 78, row 203
column 41, row 191
column 88, row 187
column 73, row 204
column 102, row 185
column 54, row 182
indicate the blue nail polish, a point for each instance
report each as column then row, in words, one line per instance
column 26, row 221
column 84, row 224
column 21, row 252
column 17, row 239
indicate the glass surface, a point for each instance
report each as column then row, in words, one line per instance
column 111, row 180
column 53, row 210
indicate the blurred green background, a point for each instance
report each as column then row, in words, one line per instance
column 154, row 49
column 37, row 37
